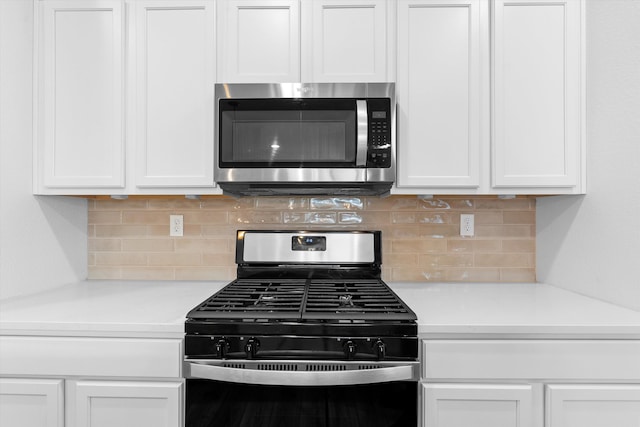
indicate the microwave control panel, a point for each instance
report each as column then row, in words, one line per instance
column 379, row 146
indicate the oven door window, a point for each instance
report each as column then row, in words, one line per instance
column 261, row 133
column 221, row 404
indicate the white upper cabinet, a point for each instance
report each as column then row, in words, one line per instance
column 259, row 41
column 491, row 93
column 537, row 93
column 80, row 103
column 114, row 86
column 440, row 83
column 490, row 97
column 346, row 41
column 282, row 41
column 174, row 83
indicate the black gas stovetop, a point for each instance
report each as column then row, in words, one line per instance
column 308, row 310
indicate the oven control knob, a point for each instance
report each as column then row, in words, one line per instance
column 222, row 347
column 380, row 349
column 251, row 347
column 350, row 349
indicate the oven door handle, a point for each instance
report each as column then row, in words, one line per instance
column 403, row 372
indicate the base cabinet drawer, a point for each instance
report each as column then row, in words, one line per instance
column 561, row 360
column 90, row 357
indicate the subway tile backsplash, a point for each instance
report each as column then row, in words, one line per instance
column 129, row 239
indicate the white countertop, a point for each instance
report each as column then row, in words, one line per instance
column 524, row 310
column 106, row 308
column 158, row 309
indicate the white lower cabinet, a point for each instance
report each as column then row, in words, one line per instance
column 99, row 382
column 530, row 383
column 461, row 405
column 124, row 404
column 593, row 405
column 31, row 402
column 90, row 403
column 520, row 405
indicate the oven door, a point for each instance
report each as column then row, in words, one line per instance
column 294, row 394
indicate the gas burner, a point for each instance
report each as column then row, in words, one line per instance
column 346, row 300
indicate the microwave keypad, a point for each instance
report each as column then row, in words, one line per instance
column 380, row 133
column 379, row 144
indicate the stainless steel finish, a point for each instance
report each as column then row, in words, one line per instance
column 306, row 176
column 362, row 123
column 300, row 373
column 342, row 248
column 305, row 90
column 292, row 175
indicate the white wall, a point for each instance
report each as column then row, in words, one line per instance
column 591, row 244
column 43, row 240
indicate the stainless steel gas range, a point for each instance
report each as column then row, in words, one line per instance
column 307, row 335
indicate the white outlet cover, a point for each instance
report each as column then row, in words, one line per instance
column 467, row 226
column 176, row 225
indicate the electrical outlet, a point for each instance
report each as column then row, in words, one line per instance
column 467, row 228
column 176, row 225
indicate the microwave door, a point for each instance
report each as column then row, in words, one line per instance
column 292, row 133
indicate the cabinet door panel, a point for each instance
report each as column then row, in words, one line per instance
column 124, row 404
column 536, row 93
column 345, row 41
column 593, row 406
column 259, row 41
column 439, row 70
column 175, row 64
column 82, row 106
column 463, row 405
column 31, row 402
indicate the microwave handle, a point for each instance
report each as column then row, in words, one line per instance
column 362, row 132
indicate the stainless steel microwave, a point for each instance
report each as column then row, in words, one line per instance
column 306, row 139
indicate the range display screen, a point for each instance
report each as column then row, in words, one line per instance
column 309, row 243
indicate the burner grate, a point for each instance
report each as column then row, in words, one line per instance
column 252, row 300
column 246, row 298
column 361, row 300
